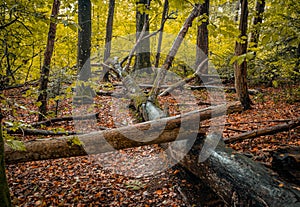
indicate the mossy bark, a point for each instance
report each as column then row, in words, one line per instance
column 4, row 190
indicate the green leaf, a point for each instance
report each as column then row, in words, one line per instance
column 134, row 185
column 275, row 83
column 233, row 59
column 16, row 145
column 241, row 59
column 265, row 39
column 75, row 141
column 38, row 104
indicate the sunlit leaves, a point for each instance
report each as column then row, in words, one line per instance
column 240, row 59
column 16, row 145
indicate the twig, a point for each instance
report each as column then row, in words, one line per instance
column 236, row 130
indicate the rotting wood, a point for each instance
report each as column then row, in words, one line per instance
column 238, row 180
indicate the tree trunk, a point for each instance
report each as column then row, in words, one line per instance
column 171, row 55
column 108, row 38
column 259, row 10
column 45, row 70
column 4, row 190
column 238, row 180
column 202, row 39
column 237, row 10
column 115, row 139
column 163, row 20
column 142, row 60
column 240, row 70
column 84, row 39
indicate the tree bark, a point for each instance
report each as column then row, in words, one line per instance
column 84, row 39
column 4, row 190
column 163, row 20
column 202, row 39
column 108, row 37
column 266, row 131
column 45, row 70
column 238, row 180
column 26, row 131
column 65, row 118
column 115, row 139
column 142, row 60
column 240, row 70
column 171, row 55
column 259, row 10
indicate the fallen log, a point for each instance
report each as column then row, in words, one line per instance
column 66, row 118
column 26, row 131
column 238, row 180
column 183, row 82
column 226, row 89
column 162, row 131
column 266, row 131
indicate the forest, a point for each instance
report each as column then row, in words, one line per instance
column 150, row 103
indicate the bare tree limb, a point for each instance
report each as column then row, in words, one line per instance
column 266, row 131
column 170, row 57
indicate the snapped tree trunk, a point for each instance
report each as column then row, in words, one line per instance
column 115, row 139
column 240, row 70
column 4, row 190
column 171, row 55
column 108, row 37
column 238, row 180
column 45, row 70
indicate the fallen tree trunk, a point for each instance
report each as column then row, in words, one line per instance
column 66, row 118
column 26, row 131
column 238, row 180
column 185, row 81
column 226, row 89
column 266, row 131
column 115, row 139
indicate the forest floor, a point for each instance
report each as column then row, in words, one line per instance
column 108, row 180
